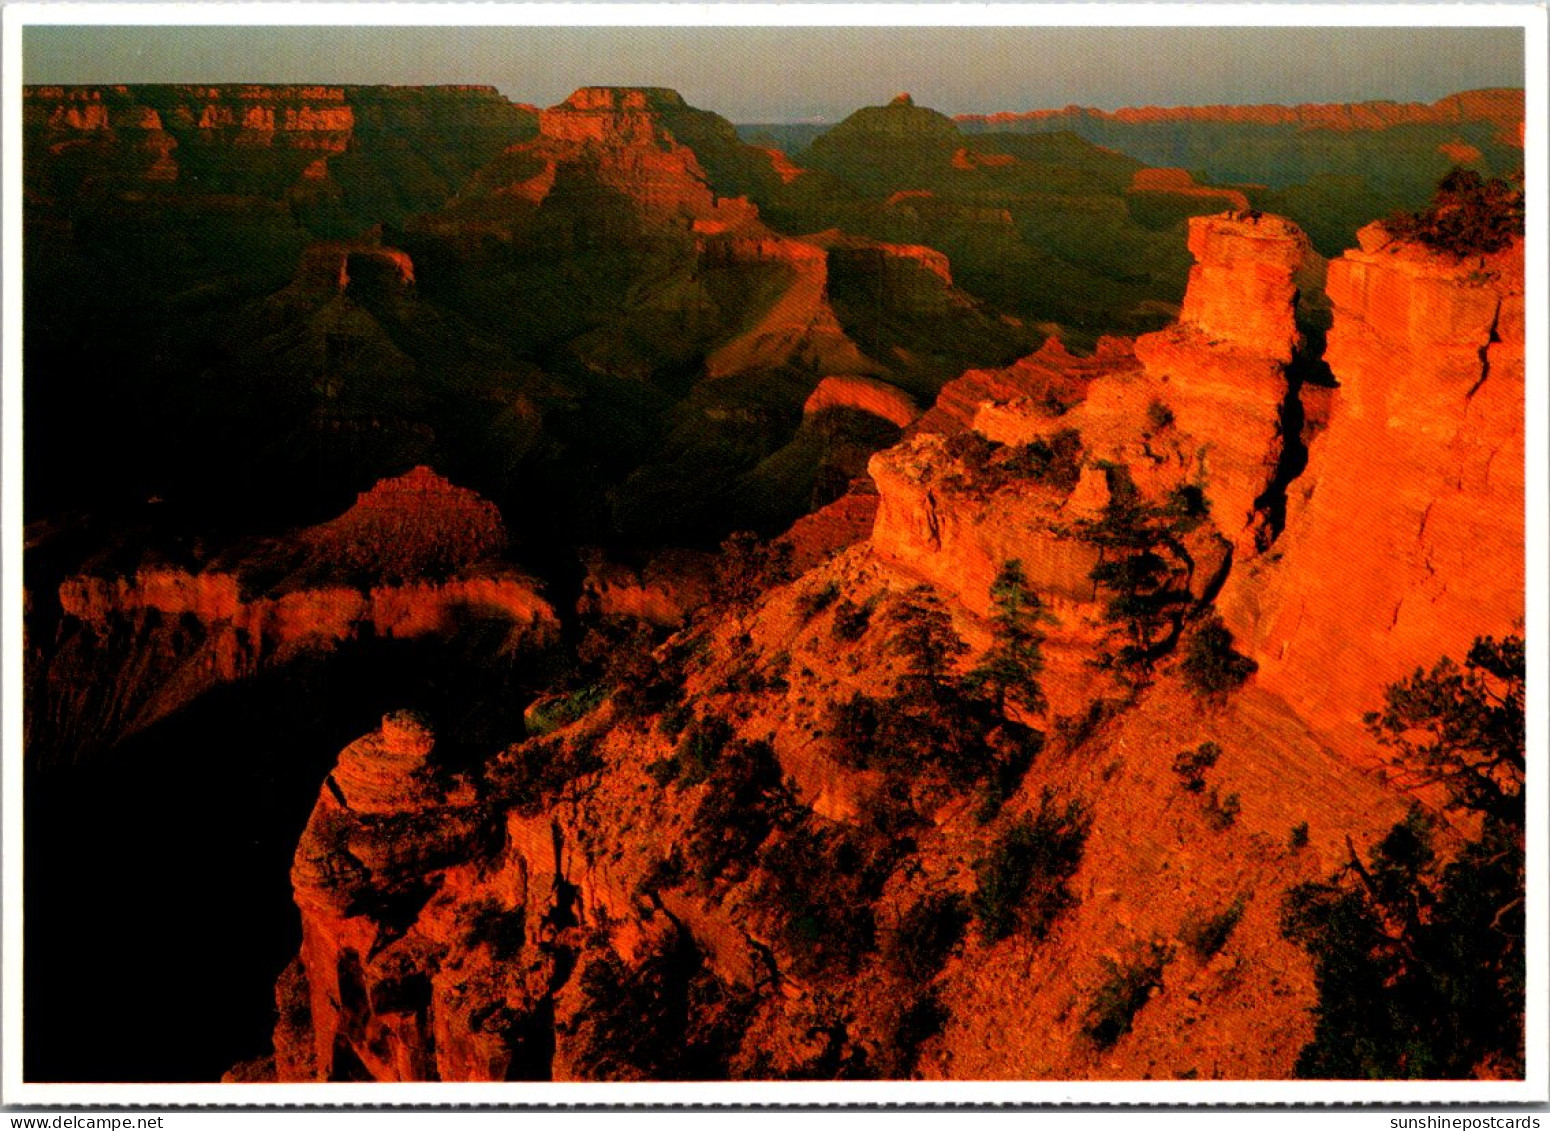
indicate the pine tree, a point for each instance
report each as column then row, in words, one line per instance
column 1011, row 666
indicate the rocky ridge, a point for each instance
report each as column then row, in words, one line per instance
column 411, row 556
column 1502, row 107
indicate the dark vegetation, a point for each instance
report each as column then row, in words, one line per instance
column 1418, row 950
column 1468, row 215
column 1023, row 882
column 1144, row 572
column 1055, row 462
column 926, row 935
column 820, row 882
column 1211, row 666
column 1205, row 936
column 938, row 720
column 1191, row 765
column 669, row 1018
column 1127, row 989
column 529, row 776
column 745, row 799
column 1222, row 812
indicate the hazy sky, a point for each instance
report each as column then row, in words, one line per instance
column 794, row 74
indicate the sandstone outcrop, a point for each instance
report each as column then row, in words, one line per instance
column 415, row 525
column 457, row 929
column 932, row 518
column 245, row 146
column 1405, row 537
column 1196, row 407
column 799, row 325
column 863, row 394
column 1179, row 182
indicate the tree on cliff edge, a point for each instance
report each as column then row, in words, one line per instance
column 1468, row 215
column 1419, row 962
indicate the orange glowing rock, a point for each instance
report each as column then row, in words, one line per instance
column 1404, row 538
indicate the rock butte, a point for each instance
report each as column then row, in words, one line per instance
column 1405, row 537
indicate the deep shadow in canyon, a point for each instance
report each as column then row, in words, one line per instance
column 159, row 909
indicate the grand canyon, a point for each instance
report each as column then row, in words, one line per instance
column 599, row 592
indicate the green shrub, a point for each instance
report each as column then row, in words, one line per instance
column 1191, row 765
column 1024, row 881
column 697, row 750
column 816, row 601
column 926, row 935
column 1211, row 665
column 528, row 776
column 1207, row 936
column 664, row 771
column 1143, row 572
column 669, row 1018
column 1055, row 462
column 1222, row 812
column 1419, row 959
column 747, row 568
column 743, row 801
column 821, row 884
column 851, row 620
column 1127, row 989
column 1299, row 838
column 1010, row 668
column 1159, row 415
column 1468, row 215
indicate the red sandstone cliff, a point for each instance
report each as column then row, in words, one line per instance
column 1404, row 538
column 315, row 122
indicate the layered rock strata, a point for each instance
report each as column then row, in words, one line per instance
column 1501, row 106
column 1404, row 538
column 413, row 555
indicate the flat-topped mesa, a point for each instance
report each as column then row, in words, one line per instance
column 1242, row 289
column 268, row 141
column 611, row 115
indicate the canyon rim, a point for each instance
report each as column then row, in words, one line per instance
column 553, row 590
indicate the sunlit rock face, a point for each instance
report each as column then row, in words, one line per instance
column 414, row 553
column 1404, row 538
column 1242, row 288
